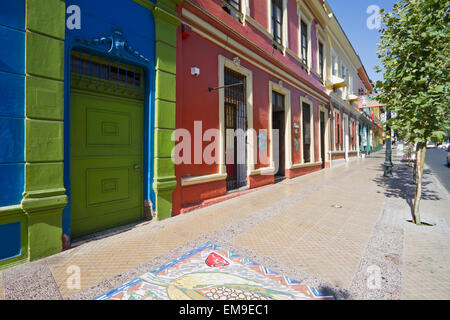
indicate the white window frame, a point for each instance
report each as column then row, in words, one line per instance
column 232, row 65
column 335, row 63
column 311, row 127
column 302, row 16
column 278, row 87
column 320, row 39
column 245, row 10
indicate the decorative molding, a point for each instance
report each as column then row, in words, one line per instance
column 263, row 171
column 11, row 210
column 118, row 46
column 250, row 56
column 190, row 181
column 305, row 165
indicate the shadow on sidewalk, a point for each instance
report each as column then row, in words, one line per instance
column 340, row 294
column 402, row 186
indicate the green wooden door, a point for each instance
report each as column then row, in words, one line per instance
column 106, row 161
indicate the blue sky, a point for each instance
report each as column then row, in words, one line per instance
column 353, row 16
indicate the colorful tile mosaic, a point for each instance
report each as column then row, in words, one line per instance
column 213, row 273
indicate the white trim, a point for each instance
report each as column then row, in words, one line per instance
column 287, row 124
column 227, row 63
column 308, row 23
column 263, row 171
column 334, row 63
column 244, row 12
column 254, row 23
column 320, row 39
column 190, row 181
column 304, row 165
column 311, row 127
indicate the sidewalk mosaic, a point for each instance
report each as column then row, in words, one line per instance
column 213, row 273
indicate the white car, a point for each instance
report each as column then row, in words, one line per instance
column 444, row 146
column 431, row 144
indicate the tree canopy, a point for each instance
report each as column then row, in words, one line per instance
column 414, row 53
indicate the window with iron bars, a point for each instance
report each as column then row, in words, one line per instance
column 93, row 71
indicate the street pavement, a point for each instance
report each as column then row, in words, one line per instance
column 343, row 231
column 436, row 159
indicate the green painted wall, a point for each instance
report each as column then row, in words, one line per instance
column 166, row 23
column 44, row 196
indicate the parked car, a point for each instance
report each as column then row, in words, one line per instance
column 444, row 146
column 431, row 144
column 448, row 156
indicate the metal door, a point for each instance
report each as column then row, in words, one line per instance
column 236, row 128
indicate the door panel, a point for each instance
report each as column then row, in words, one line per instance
column 106, row 162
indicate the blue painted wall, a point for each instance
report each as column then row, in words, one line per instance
column 99, row 18
column 10, row 240
column 12, row 102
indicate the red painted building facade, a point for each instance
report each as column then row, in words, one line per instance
column 245, row 65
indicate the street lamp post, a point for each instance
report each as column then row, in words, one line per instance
column 388, row 160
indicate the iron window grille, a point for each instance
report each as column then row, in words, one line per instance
column 108, row 76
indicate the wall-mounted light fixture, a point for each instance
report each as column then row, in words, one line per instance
column 195, row 71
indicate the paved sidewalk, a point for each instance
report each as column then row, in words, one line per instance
column 292, row 227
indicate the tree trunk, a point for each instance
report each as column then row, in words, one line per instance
column 420, row 161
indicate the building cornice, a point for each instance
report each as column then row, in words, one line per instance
column 235, row 43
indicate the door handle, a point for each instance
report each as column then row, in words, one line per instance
column 136, row 167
